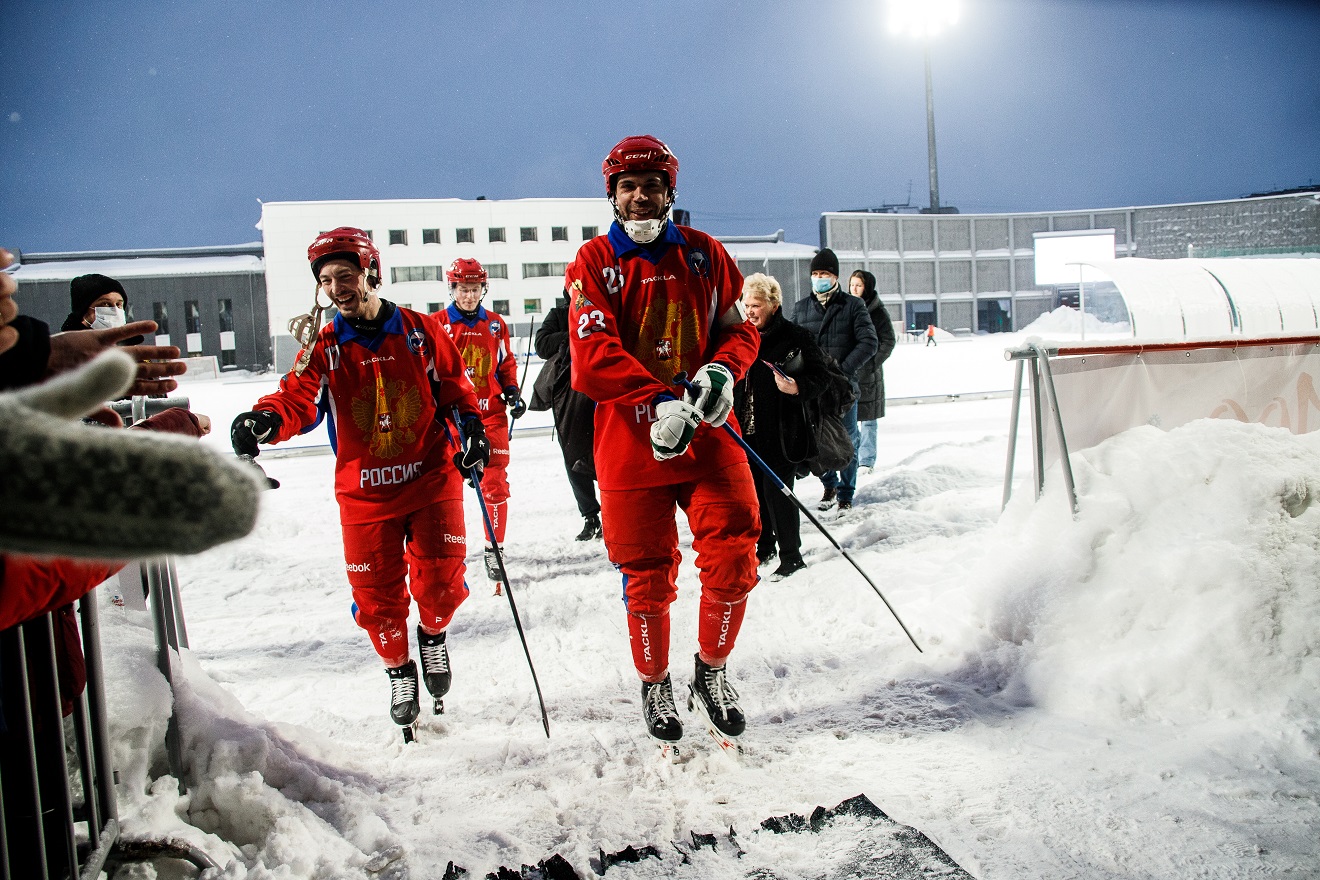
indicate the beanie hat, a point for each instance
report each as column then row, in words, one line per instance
column 74, row 490
column 85, row 289
column 825, row 261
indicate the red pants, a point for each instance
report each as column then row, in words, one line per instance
column 422, row 553
column 495, row 476
column 641, row 537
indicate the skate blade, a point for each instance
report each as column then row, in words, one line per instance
column 438, row 707
column 410, row 733
column 672, row 752
column 730, row 745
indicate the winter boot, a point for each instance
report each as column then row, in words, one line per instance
column 493, row 570
column 435, row 663
column 403, row 693
column 590, row 528
column 826, row 500
column 788, row 566
column 764, row 556
column 660, row 712
column 718, row 699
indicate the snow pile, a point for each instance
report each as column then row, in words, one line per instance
column 1068, row 321
column 1187, row 588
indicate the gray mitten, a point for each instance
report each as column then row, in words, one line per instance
column 69, row 489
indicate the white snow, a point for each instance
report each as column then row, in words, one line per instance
column 1131, row 692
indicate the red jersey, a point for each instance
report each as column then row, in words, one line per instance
column 390, row 398
column 638, row 316
column 483, row 342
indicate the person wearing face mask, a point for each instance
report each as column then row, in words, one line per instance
column 871, row 403
column 648, row 301
column 482, row 338
column 97, row 302
column 844, row 330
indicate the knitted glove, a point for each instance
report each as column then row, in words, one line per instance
column 675, row 424
column 68, row 489
column 712, row 393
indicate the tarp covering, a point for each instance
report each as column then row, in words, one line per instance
column 1197, row 299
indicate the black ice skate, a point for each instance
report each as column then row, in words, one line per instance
column 403, row 697
column 493, row 570
column 660, row 712
column 712, row 694
column 435, row 667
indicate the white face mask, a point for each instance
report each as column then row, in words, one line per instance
column 107, row 317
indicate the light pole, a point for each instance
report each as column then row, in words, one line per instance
column 923, row 20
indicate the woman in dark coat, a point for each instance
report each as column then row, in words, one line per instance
column 871, row 398
column 769, row 405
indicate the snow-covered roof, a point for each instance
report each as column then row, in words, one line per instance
column 140, row 267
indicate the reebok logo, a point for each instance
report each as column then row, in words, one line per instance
column 358, row 566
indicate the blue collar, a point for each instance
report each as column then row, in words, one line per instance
column 624, row 246
column 346, row 332
column 456, row 315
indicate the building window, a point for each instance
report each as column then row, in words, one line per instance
column 430, row 236
column 398, row 236
column 497, row 270
column 528, row 233
column 432, row 308
column 559, row 233
column 161, row 315
column 464, row 236
column 495, row 233
column 531, row 306
column 192, row 319
column 543, row 270
column 401, row 274
column 590, row 232
column 500, row 307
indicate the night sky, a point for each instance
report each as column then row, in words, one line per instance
column 146, row 125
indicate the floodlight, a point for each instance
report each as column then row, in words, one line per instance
column 922, row 19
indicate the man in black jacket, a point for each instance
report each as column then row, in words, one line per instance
column 574, row 413
column 844, row 330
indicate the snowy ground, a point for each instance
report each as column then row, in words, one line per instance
column 1129, row 693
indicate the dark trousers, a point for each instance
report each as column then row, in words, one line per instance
column 584, row 492
column 779, row 515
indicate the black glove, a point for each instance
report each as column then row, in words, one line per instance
column 476, row 448
column 517, row 406
column 251, row 428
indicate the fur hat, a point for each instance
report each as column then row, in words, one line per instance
column 825, row 261
column 70, row 489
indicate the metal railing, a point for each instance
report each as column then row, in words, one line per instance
column 1038, row 358
column 60, row 821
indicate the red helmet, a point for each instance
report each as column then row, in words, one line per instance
column 465, row 270
column 345, row 243
column 639, row 152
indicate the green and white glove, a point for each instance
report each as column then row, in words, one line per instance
column 675, row 424
column 712, row 394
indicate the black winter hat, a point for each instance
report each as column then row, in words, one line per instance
column 84, row 290
column 825, row 261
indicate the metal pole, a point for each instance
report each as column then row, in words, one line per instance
column 930, row 138
column 173, row 750
column 1012, row 432
column 105, row 783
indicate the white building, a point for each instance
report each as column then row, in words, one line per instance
column 525, row 245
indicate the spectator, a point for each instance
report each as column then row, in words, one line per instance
column 97, row 302
column 647, row 301
column 930, row 335
column 389, row 378
column 574, row 413
column 768, row 402
column 871, row 397
column 843, row 329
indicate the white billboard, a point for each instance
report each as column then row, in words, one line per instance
column 1058, row 253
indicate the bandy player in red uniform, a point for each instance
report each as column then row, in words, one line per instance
column 647, row 301
column 388, row 379
column 482, row 338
